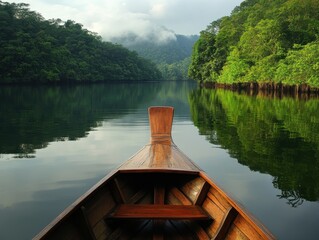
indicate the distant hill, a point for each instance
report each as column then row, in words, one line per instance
column 35, row 50
column 172, row 56
column 166, row 52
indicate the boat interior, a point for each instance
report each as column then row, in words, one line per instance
column 154, row 205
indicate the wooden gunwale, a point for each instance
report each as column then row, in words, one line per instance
column 260, row 228
column 75, row 205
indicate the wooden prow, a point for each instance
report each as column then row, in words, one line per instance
column 161, row 155
column 161, row 120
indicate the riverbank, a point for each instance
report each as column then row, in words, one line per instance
column 267, row 89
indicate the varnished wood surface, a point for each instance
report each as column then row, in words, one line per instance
column 150, row 211
column 159, row 158
column 161, row 120
column 161, row 154
column 255, row 227
column 159, row 193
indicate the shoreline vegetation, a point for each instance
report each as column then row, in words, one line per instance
column 266, row 89
column 266, row 46
column 270, row 46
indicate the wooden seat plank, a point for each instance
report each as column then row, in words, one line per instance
column 150, row 211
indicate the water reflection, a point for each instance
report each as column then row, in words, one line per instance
column 275, row 136
column 110, row 123
column 57, row 141
column 31, row 117
column 35, row 214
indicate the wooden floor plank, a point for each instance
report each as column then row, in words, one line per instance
column 158, row 229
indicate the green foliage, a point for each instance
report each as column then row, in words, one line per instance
column 301, row 21
column 203, row 51
column 172, row 57
column 256, row 44
column 35, row 50
column 234, row 69
column 260, row 41
column 169, row 51
column 301, row 66
column 264, row 71
column 175, row 71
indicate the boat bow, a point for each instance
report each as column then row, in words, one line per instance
column 161, row 154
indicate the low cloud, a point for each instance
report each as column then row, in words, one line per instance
column 121, row 22
column 143, row 19
column 110, row 19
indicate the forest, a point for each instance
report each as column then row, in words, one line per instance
column 36, row 50
column 263, row 44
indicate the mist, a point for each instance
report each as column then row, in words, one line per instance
column 154, row 20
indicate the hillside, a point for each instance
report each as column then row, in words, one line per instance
column 268, row 44
column 169, row 52
column 35, row 50
column 172, row 57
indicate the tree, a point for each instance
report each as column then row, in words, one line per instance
column 203, row 52
column 261, row 41
column 301, row 66
column 256, row 44
column 234, row 69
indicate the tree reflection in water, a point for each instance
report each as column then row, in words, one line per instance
column 277, row 136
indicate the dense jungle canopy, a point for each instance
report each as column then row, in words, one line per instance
column 35, row 50
column 263, row 42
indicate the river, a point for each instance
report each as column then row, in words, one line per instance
column 57, row 141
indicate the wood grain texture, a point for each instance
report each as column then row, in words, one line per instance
column 159, row 193
column 226, row 223
column 160, row 158
column 161, row 119
column 150, row 211
column 193, row 188
column 243, row 214
column 161, row 155
column 176, row 197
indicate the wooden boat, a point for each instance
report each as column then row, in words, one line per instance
column 159, row 193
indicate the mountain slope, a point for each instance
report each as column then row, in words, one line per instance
column 171, row 56
column 35, row 50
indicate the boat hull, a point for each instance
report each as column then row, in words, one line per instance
column 94, row 215
column 159, row 193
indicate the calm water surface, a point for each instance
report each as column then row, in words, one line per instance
column 56, row 142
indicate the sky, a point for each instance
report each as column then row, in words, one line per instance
column 145, row 18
